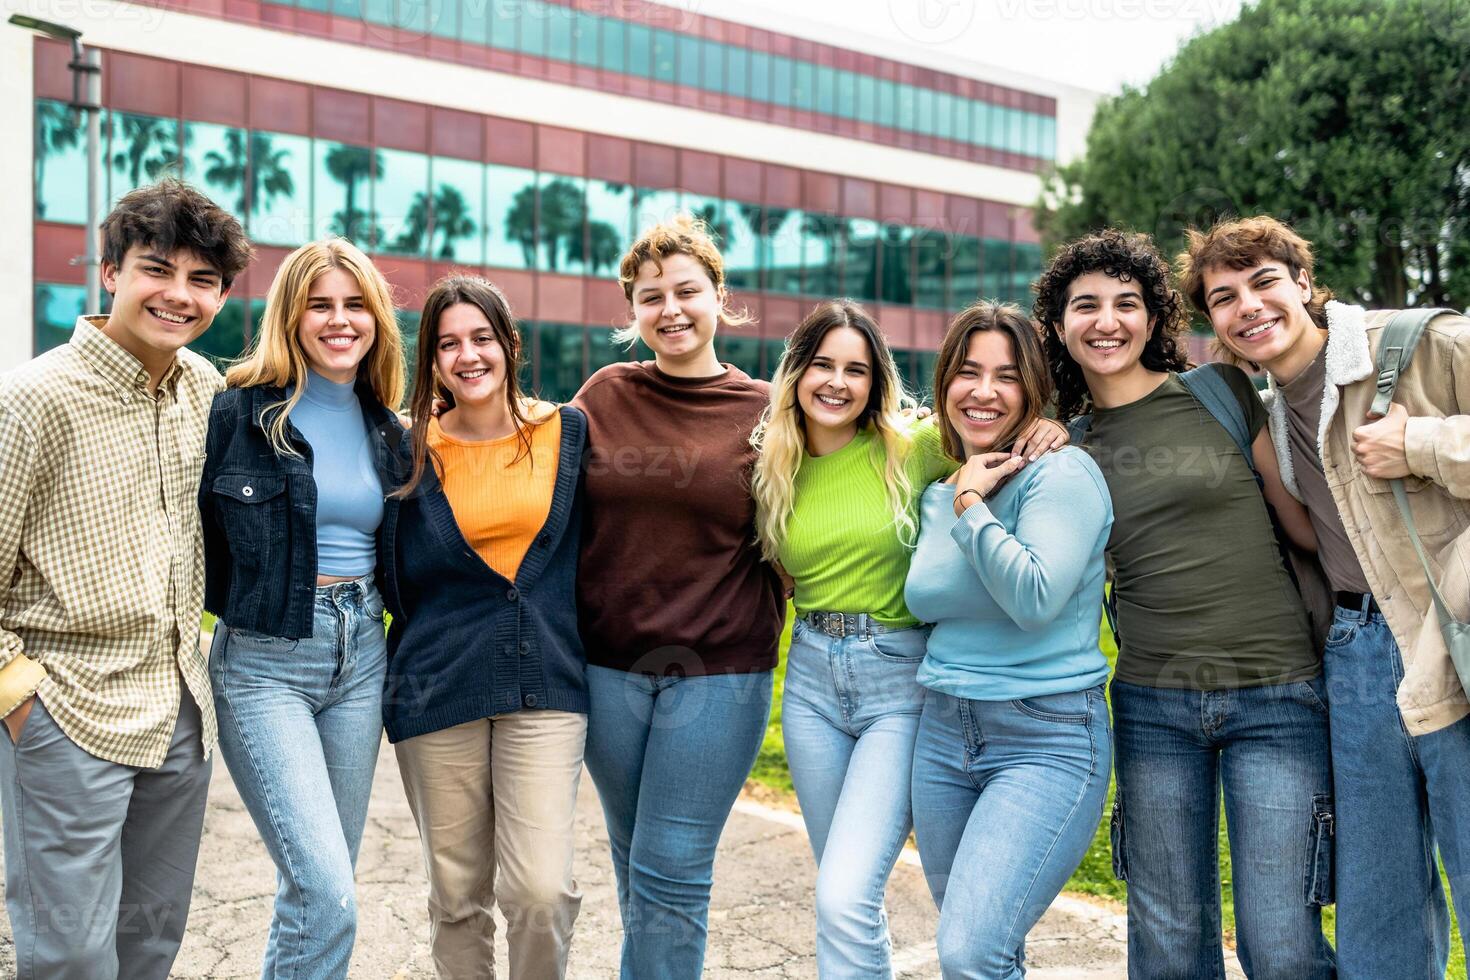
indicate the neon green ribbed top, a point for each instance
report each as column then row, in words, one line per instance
column 842, row 546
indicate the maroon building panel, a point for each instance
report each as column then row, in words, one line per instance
column 215, row 96
column 743, row 180
column 510, row 142
column 401, row 125
column 860, row 198
column 895, row 204
column 897, row 323
column 928, row 329
column 456, row 134
column 655, row 166
column 343, row 116
column 1023, row 226
column 519, row 287
column 133, row 83
column 610, row 158
column 700, row 173
column 53, row 78
column 821, row 192
column 268, row 259
column 781, row 315
column 606, row 306
column 562, row 151
column 57, row 248
column 280, row 106
column 929, row 210
column 560, row 299
column 782, row 186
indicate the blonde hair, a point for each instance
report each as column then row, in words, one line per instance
column 780, row 438
column 276, row 358
column 683, row 234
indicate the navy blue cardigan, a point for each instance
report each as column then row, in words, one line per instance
column 467, row 643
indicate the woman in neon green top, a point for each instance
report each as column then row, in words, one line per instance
column 836, row 488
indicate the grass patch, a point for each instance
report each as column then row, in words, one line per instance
column 1095, row 874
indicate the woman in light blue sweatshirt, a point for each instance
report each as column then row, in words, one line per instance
column 1011, row 764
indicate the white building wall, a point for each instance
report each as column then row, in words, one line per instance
column 17, row 130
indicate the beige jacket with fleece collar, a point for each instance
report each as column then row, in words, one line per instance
column 1436, row 391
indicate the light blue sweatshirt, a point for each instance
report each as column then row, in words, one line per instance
column 1014, row 587
column 349, row 493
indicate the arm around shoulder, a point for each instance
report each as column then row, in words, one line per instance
column 1437, row 447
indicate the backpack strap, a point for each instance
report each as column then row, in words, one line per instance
column 1076, row 433
column 1219, row 399
column 1077, row 428
column 1395, row 349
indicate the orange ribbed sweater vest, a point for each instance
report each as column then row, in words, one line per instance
column 500, row 502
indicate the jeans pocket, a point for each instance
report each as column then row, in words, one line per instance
column 1118, row 839
column 250, row 639
column 1059, row 708
column 1341, row 633
column 901, row 646
column 1320, row 884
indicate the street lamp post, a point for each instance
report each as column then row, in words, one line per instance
column 86, row 97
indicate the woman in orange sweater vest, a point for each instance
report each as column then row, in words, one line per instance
column 487, row 695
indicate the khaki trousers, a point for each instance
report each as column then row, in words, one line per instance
column 495, row 798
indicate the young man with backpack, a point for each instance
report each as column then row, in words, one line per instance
column 1218, row 689
column 105, row 697
column 1400, row 733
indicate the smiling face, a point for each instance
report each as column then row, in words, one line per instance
column 1105, row 324
column 468, row 359
column 160, row 302
column 677, row 309
column 1260, row 312
column 336, row 330
column 985, row 402
column 834, row 389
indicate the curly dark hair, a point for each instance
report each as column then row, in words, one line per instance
column 171, row 215
column 1127, row 258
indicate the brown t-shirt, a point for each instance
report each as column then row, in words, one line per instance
column 1303, row 414
column 670, row 580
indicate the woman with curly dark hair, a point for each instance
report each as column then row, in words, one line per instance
column 1218, row 680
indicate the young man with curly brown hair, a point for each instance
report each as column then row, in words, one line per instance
column 1400, row 731
column 1218, row 684
column 109, row 721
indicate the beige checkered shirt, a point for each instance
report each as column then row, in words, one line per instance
column 100, row 543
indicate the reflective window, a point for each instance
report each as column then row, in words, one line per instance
column 847, row 94
column 342, row 198
column 601, row 351
column 408, row 327
column 412, row 16
column 348, row 8
column 225, row 339
column 710, row 210
column 505, row 19
column 760, row 76
column 531, row 38
column 640, row 50
column 560, row 37
column 459, row 211
column 654, row 207
column 510, row 217
column 474, row 20
column 280, row 189
column 712, row 65
column 980, row 123
column 742, row 246
column 804, row 85
column 1027, row 269
column 664, row 56
column 822, row 236
column 609, row 226
column 944, row 110
column 782, row 244
column 560, row 354
column 737, row 61
column 923, row 368
column 996, row 269
column 141, row 150
column 924, row 111
column 860, row 260
column 771, row 351
column 61, row 165
column 867, row 98
column 827, row 90
column 377, row 11
column 321, row 5
column 688, row 66
column 783, row 80
column 57, row 308
column 742, row 351
column 962, row 119
column 887, row 103
column 897, row 248
column 614, row 45
column 964, row 272
column 931, row 268
column 444, row 17
column 401, row 202
column 908, row 107
column 215, row 160
column 561, row 224
column 584, row 38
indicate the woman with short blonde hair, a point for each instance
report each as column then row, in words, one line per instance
column 303, row 447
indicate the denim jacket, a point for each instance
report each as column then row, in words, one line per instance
column 258, row 510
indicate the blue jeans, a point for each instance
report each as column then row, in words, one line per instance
column 669, row 756
column 1268, row 746
column 1007, row 798
column 299, row 726
column 1396, row 796
column 850, row 713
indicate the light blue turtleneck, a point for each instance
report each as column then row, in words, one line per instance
column 349, row 494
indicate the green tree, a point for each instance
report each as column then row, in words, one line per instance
column 766, row 222
column 57, row 130
column 148, row 146
column 1350, row 119
column 350, row 166
column 520, row 223
column 452, row 218
column 604, row 248
column 252, row 167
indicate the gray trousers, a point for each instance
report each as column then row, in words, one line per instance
column 99, row 857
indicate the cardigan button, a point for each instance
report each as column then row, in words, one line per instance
column 530, row 700
column 525, row 649
column 512, row 595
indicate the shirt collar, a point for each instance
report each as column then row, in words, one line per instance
column 116, row 366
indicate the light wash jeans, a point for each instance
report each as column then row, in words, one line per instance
column 1267, row 747
column 300, row 722
column 669, row 756
column 1007, row 798
column 849, row 714
column 1397, row 796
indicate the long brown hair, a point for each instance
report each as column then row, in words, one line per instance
column 1008, row 319
column 486, row 297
